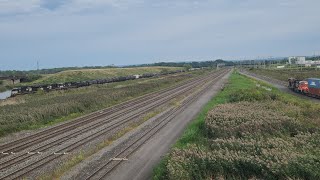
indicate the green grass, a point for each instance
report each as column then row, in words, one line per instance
column 191, row 135
column 197, row 138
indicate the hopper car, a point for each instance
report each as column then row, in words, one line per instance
column 69, row 85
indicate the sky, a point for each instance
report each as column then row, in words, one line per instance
column 64, row 33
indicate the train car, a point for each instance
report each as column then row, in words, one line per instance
column 16, row 91
column 35, row 88
column 26, row 89
column 67, row 85
column 148, row 75
column 314, row 86
column 83, row 84
column 58, row 86
column 45, row 88
column 299, row 86
column 132, row 77
column 122, row 78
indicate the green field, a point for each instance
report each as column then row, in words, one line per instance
column 92, row 74
column 248, row 132
column 283, row 75
column 44, row 109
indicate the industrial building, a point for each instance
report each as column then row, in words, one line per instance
column 301, row 60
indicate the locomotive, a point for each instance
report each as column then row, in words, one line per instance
column 309, row 87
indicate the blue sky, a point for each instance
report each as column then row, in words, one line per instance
column 102, row 32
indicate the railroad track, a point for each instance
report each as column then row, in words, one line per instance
column 23, row 143
column 54, row 131
column 25, row 156
column 76, row 144
column 19, row 145
column 126, row 151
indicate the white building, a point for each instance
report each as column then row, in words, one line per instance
column 297, row 60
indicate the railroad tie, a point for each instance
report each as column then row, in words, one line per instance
column 118, row 159
column 64, row 153
column 35, row 152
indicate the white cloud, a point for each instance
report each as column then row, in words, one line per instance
column 13, row 7
column 18, row 6
column 140, row 29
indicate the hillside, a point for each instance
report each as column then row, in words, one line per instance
column 90, row 74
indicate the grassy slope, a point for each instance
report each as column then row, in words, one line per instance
column 91, row 74
column 305, row 112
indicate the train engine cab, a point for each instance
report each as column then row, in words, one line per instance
column 303, row 87
column 298, row 85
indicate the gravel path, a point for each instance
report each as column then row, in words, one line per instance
column 141, row 163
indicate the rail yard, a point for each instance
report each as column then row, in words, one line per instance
column 33, row 155
column 161, row 90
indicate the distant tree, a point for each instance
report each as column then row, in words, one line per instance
column 187, row 67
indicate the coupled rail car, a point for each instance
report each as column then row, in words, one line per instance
column 68, row 85
column 309, row 87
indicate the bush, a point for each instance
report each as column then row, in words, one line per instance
column 236, row 158
column 243, row 119
column 249, row 140
column 253, row 94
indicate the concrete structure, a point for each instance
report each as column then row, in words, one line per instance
column 297, row 60
column 13, row 79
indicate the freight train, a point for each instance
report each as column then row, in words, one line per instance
column 309, row 87
column 68, row 85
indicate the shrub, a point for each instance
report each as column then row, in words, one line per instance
column 253, row 94
column 250, row 140
column 241, row 119
column 236, row 158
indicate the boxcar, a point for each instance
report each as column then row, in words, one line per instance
column 314, row 86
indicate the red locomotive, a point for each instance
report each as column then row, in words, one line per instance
column 310, row 87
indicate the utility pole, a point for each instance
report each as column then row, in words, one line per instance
column 38, row 66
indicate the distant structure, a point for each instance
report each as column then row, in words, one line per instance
column 297, row 60
column 301, row 60
column 221, row 65
column 14, row 79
